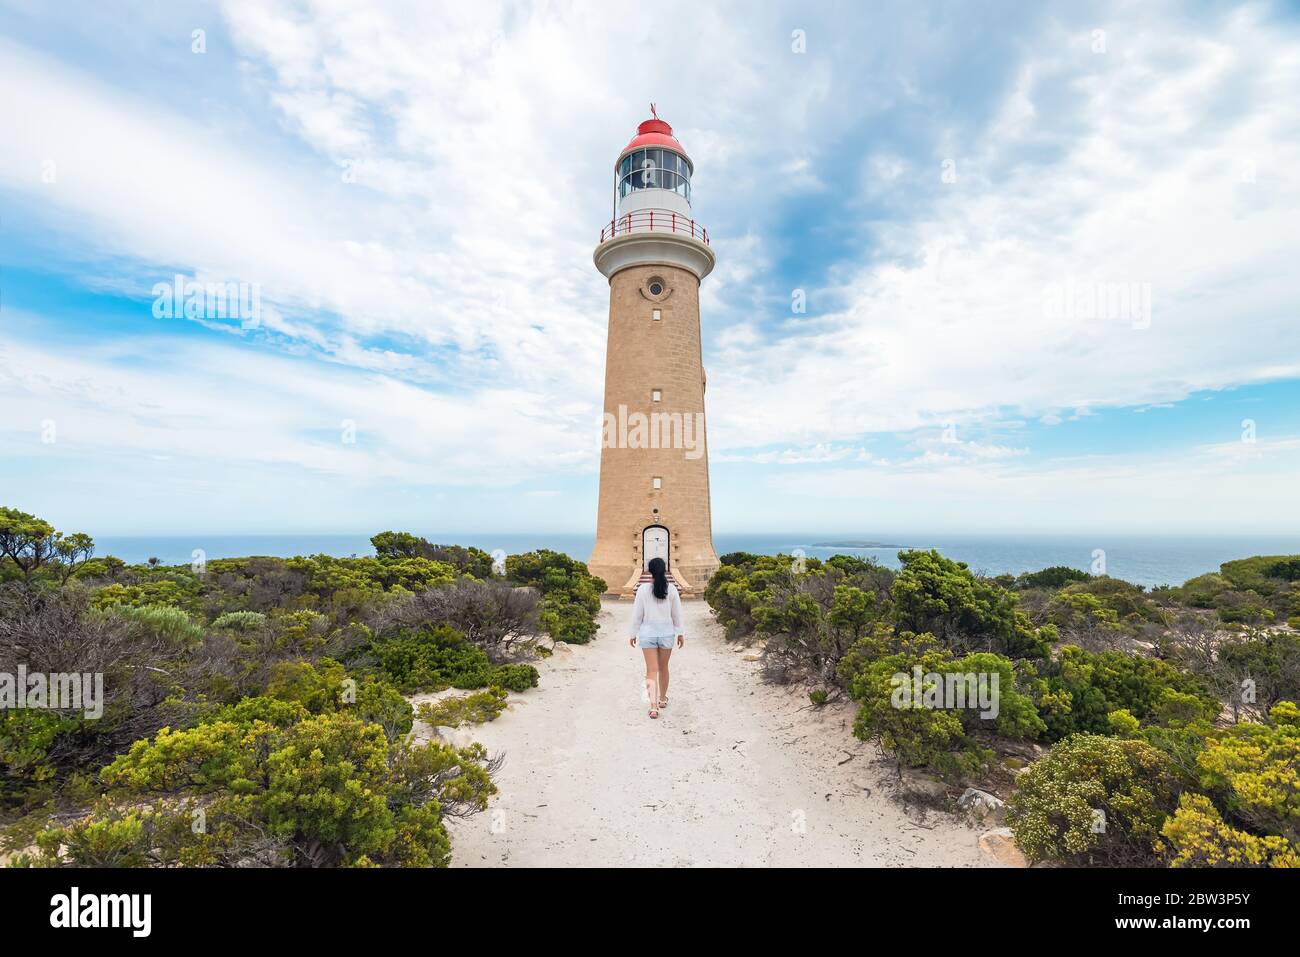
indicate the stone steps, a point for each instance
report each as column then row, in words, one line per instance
column 629, row 590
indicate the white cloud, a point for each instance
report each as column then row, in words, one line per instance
column 1099, row 169
column 215, row 404
column 1230, row 489
column 449, row 287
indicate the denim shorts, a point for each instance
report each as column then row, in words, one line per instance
column 655, row 641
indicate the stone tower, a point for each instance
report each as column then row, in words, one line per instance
column 654, row 463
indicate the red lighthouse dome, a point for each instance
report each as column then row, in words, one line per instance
column 654, row 132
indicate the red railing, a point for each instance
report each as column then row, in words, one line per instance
column 654, row 221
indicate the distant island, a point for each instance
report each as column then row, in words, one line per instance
column 850, row 543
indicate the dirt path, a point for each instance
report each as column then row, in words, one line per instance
column 734, row 772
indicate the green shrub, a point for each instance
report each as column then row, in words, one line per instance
column 473, row 708
column 939, row 596
column 1203, row 590
column 1084, row 687
column 329, row 790
column 568, row 619
column 812, row 625
column 466, row 560
column 299, row 689
column 1262, row 574
column 514, row 677
column 170, row 625
column 1197, row 836
column 274, row 711
column 1286, row 569
column 1269, row 659
column 174, row 589
column 1055, row 577
column 1244, row 607
column 747, row 582
column 732, row 600
column 1254, row 771
column 380, row 703
column 240, row 620
column 942, row 735
column 501, row 619
column 915, row 736
column 27, row 738
column 737, row 558
column 432, row 659
column 570, row 594
column 1094, row 800
column 1123, row 724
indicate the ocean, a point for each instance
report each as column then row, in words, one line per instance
column 1146, row 561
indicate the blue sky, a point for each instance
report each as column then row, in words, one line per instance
column 415, row 194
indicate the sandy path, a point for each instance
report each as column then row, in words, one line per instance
column 734, row 772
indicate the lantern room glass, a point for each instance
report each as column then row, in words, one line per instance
column 654, row 168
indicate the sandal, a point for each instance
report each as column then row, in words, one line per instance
column 663, row 702
column 654, row 712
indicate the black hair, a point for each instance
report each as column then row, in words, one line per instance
column 659, row 572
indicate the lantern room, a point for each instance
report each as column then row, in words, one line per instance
column 652, row 219
column 653, row 172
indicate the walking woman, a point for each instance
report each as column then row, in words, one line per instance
column 656, row 619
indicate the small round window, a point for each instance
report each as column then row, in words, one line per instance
column 656, row 289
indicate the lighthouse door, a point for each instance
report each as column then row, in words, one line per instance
column 654, row 544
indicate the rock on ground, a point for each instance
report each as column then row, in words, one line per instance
column 1000, row 846
column 982, row 806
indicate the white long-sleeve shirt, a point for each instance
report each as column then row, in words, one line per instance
column 656, row 616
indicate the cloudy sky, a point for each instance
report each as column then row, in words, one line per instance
column 414, row 191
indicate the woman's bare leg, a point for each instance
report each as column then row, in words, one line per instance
column 652, row 677
column 664, row 655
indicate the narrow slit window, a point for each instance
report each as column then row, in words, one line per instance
column 656, row 395
column 656, row 482
column 656, row 315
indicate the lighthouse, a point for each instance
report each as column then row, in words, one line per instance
column 654, row 463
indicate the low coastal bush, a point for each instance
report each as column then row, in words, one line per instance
column 1250, row 591
column 328, row 790
column 240, row 620
column 570, row 595
column 1169, row 715
column 1253, row 772
column 1084, row 688
column 942, row 597
column 810, row 614
column 1093, row 799
column 905, row 706
column 745, row 582
column 256, row 693
column 503, row 620
column 1055, row 577
column 1197, row 836
column 474, row 708
column 470, row 561
column 431, row 659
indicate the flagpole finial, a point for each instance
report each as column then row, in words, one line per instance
column 653, row 111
